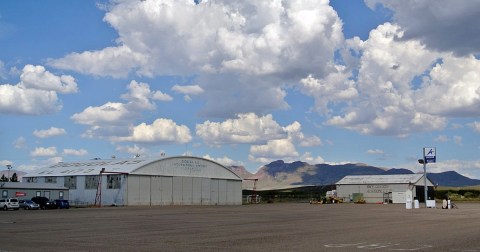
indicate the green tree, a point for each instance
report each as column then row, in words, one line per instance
column 14, row 177
column 3, row 178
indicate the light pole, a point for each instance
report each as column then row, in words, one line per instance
column 422, row 161
column 429, row 156
column 9, row 167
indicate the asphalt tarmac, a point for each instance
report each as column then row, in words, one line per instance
column 264, row 227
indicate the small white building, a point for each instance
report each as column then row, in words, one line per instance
column 25, row 191
column 182, row 180
column 383, row 188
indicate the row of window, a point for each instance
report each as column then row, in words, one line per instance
column 91, row 182
column 37, row 193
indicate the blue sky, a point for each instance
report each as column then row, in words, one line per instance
column 242, row 83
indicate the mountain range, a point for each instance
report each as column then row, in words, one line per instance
column 279, row 174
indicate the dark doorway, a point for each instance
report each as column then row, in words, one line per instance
column 421, row 194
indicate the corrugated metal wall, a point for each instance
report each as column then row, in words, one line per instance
column 159, row 190
column 371, row 193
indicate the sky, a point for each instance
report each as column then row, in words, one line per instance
column 241, row 82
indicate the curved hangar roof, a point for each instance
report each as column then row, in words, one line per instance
column 183, row 166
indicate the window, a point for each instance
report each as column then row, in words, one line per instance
column 51, row 180
column 70, row 182
column 32, row 180
column 38, row 193
column 113, row 181
column 4, row 193
column 60, row 195
column 91, row 182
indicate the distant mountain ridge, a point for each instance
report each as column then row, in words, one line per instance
column 279, row 174
column 452, row 178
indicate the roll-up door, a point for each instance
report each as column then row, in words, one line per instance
column 187, row 190
column 214, row 192
column 177, row 190
column 167, row 190
column 206, row 191
column 197, row 191
column 222, row 192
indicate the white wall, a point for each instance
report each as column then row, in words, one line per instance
column 158, row 190
column 371, row 193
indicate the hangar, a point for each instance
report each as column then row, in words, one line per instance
column 383, row 188
column 181, row 180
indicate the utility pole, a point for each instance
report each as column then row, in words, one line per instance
column 9, row 167
column 422, row 161
column 429, row 156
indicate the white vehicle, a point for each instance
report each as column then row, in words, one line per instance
column 9, row 203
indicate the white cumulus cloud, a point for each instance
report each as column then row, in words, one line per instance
column 111, row 61
column 113, row 119
column 243, row 55
column 133, row 150
column 17, row 100
column 475, row 126
column 226, row 161
column 247, row 128
column 110, row 112
column 160, row 131
column 389, row 101
column 273, row 150
column 188, row 91
column 44, row 152
column 36, row 93
column 454, row 82
column 74, row 152
column 36, row 77
column 52, row 131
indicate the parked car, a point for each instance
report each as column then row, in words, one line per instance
column 29, row 205
column 9, row 203
column 44, row 202
column 62, row 204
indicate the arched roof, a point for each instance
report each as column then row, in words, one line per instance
column 184, row 166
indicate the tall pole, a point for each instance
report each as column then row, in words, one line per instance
column 425, row 181
column 9, row 167
column 429, row 156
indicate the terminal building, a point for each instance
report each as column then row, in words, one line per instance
column 182, row 180
column 383, row 188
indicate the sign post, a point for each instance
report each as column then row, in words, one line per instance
column 429, row 156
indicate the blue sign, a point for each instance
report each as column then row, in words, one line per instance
column 429, row 155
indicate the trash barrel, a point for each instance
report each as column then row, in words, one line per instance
column 408, row 204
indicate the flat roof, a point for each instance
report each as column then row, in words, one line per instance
column 22, row 185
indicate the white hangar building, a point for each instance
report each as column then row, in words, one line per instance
column 182, row 180
column 383, row 188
